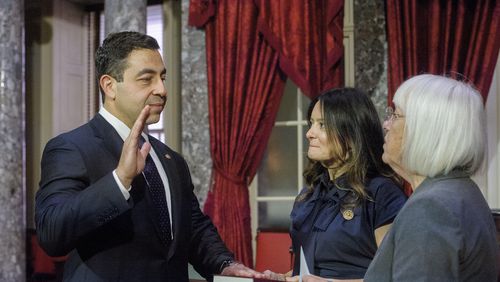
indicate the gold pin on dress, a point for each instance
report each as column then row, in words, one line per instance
column 348, row 214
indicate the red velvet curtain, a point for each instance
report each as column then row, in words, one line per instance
column 457, row 38
column 245, row 87
column 308, row 36
column 251, row 46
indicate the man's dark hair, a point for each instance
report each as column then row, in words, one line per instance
column 111, row 56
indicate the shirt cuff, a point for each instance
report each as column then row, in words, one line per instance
column 125, row 191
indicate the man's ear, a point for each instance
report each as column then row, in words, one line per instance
column 108, row 85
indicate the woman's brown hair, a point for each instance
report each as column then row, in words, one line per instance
column 354, row 129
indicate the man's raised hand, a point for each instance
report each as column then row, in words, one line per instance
column 133, row 158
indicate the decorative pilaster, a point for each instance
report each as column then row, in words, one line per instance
column 370, row 51
column 195, row 128
column 12, row 188
column 122, row 15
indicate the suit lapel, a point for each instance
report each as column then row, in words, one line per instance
column 107, row 135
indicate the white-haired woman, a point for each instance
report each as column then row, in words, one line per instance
column 436, row 140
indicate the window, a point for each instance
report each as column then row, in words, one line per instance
column 280, row 178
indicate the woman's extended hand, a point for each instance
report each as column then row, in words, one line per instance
column 313, row 278
column 268, row 274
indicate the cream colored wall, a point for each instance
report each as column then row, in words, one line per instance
column 70, row 63
column 172, row 53
column 55, row 88
column 489, row 179
column 38, row 95
column 493, row 194
column 349, row 43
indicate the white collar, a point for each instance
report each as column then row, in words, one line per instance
column 118, row 125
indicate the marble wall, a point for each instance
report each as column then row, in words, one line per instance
column 370, row 51
column 195, row 130
column 12, row 188
column 124, row 15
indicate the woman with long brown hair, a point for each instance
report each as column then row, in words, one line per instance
column 351, row 197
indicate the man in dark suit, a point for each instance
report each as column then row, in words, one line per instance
column 98, row 199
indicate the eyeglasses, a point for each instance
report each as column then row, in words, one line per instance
column 390, row 115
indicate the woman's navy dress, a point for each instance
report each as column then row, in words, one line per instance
column 338, row 242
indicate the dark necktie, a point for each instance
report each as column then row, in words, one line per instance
column 157, row 192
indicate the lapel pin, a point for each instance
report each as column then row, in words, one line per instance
column 167, row 156
column 348, row 214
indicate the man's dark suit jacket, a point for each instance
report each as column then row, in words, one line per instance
column 80, row 210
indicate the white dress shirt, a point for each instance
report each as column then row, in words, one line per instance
column 124, row 131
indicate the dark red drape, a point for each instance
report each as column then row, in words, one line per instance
column 457, row 38
column 245, row 87
column 251, row 46
column 309, row 39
